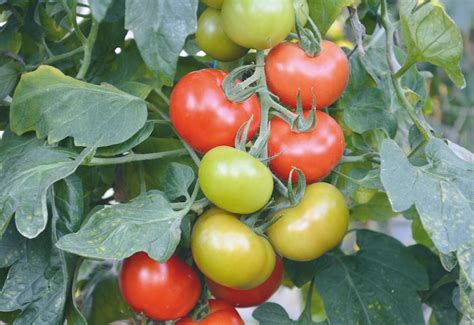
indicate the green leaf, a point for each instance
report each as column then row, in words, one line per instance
column 107, row 302
column 367, row 110
column 70, row 202
column 324, row 12
column 440, row 295
column 419, row 233
column 147, row 223
column 272, row 314
column 378, row 208
column 36, row 284
column 135, row 88
column 160, row 29
column 431, row 35
column 57, row 106
column 11, row 246
column 442, row 191
column 28, row 168
column 377, row 285
column 178, row 178
column 465, row 256
column 99, row 8
column 142, row 134
column 155, row 171
column 8, row 77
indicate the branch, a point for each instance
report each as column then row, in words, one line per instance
column 135, row 157
column 394, row 68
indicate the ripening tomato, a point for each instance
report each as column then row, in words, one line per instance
column 230, row 253
column 313, row 227
column 221, row 313
column 212, row 39
column 202, row 114
column 217, row 4
column 234, row 180
column 162, row 291
column 289, row 70
column 315, row 152
column 258, row 24
column 250, row 297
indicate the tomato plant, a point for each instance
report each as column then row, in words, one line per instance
column 249, row 297
column 202, row 114
column 220, row 241
column 156, row 153
column 161, row 291
column 220, row 313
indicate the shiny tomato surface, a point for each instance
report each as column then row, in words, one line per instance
column 289, row 70
column 162, row 291
column 315, row 152
column 250, row 297
column 202, row 114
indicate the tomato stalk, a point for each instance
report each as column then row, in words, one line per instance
column 358, row 28
column 97, row 161
column 88, row 46
column 396, row 73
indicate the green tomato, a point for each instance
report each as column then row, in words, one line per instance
column 314, row 226
column 212, row 39
column 217, row 4
column 234, row 180
column 301, row 10
column 258, row 24
column 230, row 253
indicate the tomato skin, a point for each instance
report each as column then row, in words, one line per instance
column 250, row 297
column 313, row 227
column 202, row 114
column 217, row 4
column 221, row 313
column 288, row 69
column 212, row 39
column 315, row 152
column 234, row 180
column 230, row 253
column 258, row 24
column 162, row 291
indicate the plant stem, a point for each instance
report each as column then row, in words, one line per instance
column 190, row 202
column 407, row 65
column 63, row 56
column 72, row 19
column 394, row 67
column 361, row 158
column 135, row 157
column 88, row 46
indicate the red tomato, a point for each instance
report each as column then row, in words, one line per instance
column 221, row 314
column 251, row 297
column 289, row 69
column 202, row 114
column 315, row 152
column 162, row 291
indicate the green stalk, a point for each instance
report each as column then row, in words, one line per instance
column 135, row 157
column 394, row 68
column 88, row 46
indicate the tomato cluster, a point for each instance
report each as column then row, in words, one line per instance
column 243, row 267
